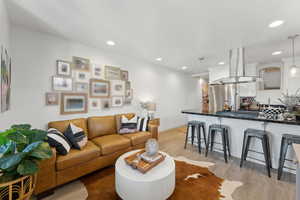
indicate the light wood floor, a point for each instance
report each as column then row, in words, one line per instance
column 256, row 184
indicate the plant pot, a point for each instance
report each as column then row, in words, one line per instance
column 21, row 188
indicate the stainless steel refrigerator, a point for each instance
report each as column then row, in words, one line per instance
column 221, row 94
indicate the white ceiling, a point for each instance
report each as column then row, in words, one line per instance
column 179, row 31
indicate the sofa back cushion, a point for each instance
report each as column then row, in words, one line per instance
column 63, row 125
column 99, row 126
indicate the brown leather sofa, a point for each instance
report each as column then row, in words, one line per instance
column 103, row 148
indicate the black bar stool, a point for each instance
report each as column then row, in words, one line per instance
column 196, row 125
column 224, row 130
column 263, row 136
column 286, row 141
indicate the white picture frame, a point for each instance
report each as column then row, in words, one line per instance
column 97, row 71
column 117, row 88
column 82, row 76
column 117, row 101
column 105, row 103
column 63, row 68
column 82, row 87
column 95, row 104
column 62, row 83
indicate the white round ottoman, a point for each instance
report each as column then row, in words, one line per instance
column 158, row 183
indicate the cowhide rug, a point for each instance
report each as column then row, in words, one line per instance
column 194, row 181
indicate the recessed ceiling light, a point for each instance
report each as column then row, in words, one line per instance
column 184, row 67
column 221, row 63
column 276, row 23
column 276, row 53
column 158, row 59
column 110, row 43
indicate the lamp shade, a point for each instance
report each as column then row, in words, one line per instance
column 151, row 106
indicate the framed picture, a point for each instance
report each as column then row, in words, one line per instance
column 105, row 103
column 82, row 87
column 97, row 71
column 117, row 88
column 99, row 88
column 112, row 73
column 124, row 75
column 81, row 76
column 95, row 104
column 117, row 101
column 82, row 64
column 63, row 68
column 62, row 83
column 52, row 98
column 5, row 80
column 73, row 103
column 127, row 85
column 127, row 101
column 129, row 94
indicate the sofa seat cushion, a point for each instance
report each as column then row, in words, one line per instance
column 111, row 143
column 138, row 137
column 75, row 157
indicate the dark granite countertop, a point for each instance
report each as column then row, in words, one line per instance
column 244, row 115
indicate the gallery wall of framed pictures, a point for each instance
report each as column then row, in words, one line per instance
column 80, row 85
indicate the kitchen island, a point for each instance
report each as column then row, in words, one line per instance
column 239, row 121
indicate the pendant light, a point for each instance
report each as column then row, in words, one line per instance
column 293, row 67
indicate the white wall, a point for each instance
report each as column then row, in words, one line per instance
column 34, row 57
column 5, row 26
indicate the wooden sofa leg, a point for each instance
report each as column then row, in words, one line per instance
column 45, row 194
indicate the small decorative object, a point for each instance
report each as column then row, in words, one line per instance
column 82, row 77
column 99, row 88
column 82, row 87
column 82, row 64
column 97, row 71
column 151, row 147
column 95, row 104
column 124, row 75
column 20, row 165
column 52, row 98
column 137, row 162
column 73, row 103
column 62, row 83
column 117, row 101
column 271, row 78
column 117, row 88
column 63, row 68
column 112, row 73
column 5, row 80
column 105, row 103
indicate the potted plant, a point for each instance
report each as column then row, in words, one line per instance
column 21, row 149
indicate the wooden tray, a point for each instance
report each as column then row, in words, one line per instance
column 142, row 166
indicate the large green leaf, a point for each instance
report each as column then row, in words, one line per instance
column 32, row 146
column 9, row 161
column 8, row 176
column 9, row 147
column 37, row 135
column 21, row 126
column 43, row 151
column 18, row 137
column 27, row 167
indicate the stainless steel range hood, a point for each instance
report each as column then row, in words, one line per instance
column 237, row 72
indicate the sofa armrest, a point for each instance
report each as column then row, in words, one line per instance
column 46, row 176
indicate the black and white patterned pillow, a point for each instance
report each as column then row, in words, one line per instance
column 128, row 125
column 272, row 113
column 56, row 139
column 142, row 124
column 76, row 136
